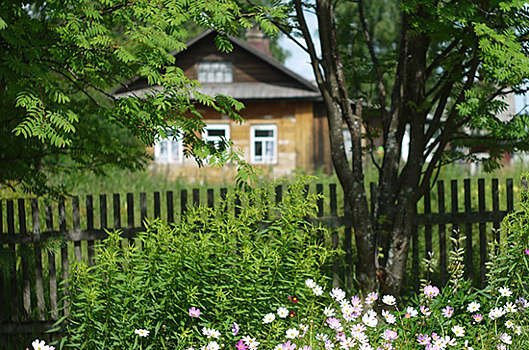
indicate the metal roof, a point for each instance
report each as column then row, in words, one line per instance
column 243, row 91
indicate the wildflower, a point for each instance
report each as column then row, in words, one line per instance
column 291, row 314
column 473, row 307
column 140, row 332
column 371, row 297
column 306, row 347
column 335, row 324
column 458, row 331
column 279, row 347
column 358, row 328
column 389, row 300
column 502, row 347
column 468, row 347
column 510, row 307
column 389, row 335
column 356, row 301
column 526, row 252
column 431, row 291
column 194, row 312
column 269, row 318
column 234, row 328
column 213, row 345
column 369, row 320
column 310, row 283
column 496, row 312
column 366, row 346
column 282, row 312
column 478, row 318
column 337, row 294
column 410, row 312
column 509, row 324
column 347, row 343
column 240, row 345
column 329, row 345
column 328, row 311
column 288, row 346
column 322, row 336
column 448, row 311
column 389, row 317
column 291, row 333
column 423, row 339
column 518, row 330
column 39, row 345
column 505, row 338
column 318, row 291
column 251, row 342
column 505, row 292
column 293, row 299
column 425, row 310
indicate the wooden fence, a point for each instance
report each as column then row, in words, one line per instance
column 31, row 273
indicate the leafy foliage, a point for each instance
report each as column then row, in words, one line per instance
column 232, row 267
column 61, row 60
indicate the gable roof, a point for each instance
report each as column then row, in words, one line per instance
column 300, row 89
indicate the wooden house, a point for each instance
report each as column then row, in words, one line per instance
column 285, row 128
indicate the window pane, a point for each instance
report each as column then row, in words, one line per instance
column 217, row 132
column 264, row 133
column 258, row 148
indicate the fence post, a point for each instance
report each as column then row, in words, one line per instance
column 469, row 261
column 442, row 231
column 482, row 233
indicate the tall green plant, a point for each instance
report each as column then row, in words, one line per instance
column 233, row 266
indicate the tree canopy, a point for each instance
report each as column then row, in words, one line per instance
column 435, row 70
column 61, row 59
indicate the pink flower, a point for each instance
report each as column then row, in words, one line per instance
column 194, row 312
column 390, row 335
column 240, row 345
column 431, row 291
column 478, row 318
column 527, row 252
column 425, row 311
column 288, row 346
column 447, row 311
column 234, row 328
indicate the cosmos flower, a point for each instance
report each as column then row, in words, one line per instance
column 473, row 307
column 431, row 291
column 282, row 312
column 458, row 331
column 269, row 318
column 389, row 300
column 194, row 312
column 448, row 311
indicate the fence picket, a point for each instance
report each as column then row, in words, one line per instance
column 469, row 261
column 76, row 218
column 26, row 288
column 65, row 264
column 157, row 204
column 482, row 233
column 13, row 249
column 415, row 255
column 210, row 199
column 170, row 206
column 90, row 227
column 319, row 202
column 455, row 209
column 428, row 228
column 103, row 211
column 348, row 247
column 442, row 232
column 496, row 207
column 52, row 268
column 116, row 201
column 196, row 197
column 333, row 204
column 39, row 286
column 143, row 208
column 183, row 202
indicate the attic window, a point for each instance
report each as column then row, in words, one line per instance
column 215, row 72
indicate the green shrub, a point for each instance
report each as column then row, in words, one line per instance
column 233, row 267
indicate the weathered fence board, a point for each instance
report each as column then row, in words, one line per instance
column 29, row 292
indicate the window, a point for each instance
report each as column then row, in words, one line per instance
column 215, row 72
column 217, row 135
column 169, row 150
column 263, row 144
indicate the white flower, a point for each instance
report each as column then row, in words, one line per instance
column 369, row 320
column 212, row 346
column 310, row 283
column 496, row 313
column 505, row 338
column 269, row 318
column 251, row 342
column 328, row 311
column 468, row 347
column 347, row 343
column 510, row 307
column 337, row 294
column 505, row 292
column 211, row 333
column 142, row 332
column 458, row 331
column 389, row 300
column 509, row 324
column 365, row 346
column 518, row 330
column 282, row 312
column 279, row 347
column 322, row 336
column 291, row 333
column 318, row 291
column 39, row 345
column 411, row 312
column 473, row 307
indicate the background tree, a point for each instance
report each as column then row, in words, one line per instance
column 439, row 74
column 60, row 59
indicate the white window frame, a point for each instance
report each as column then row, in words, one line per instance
column 216, row 139
column 253, row 139
column 215, row 71
column 169, row 142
